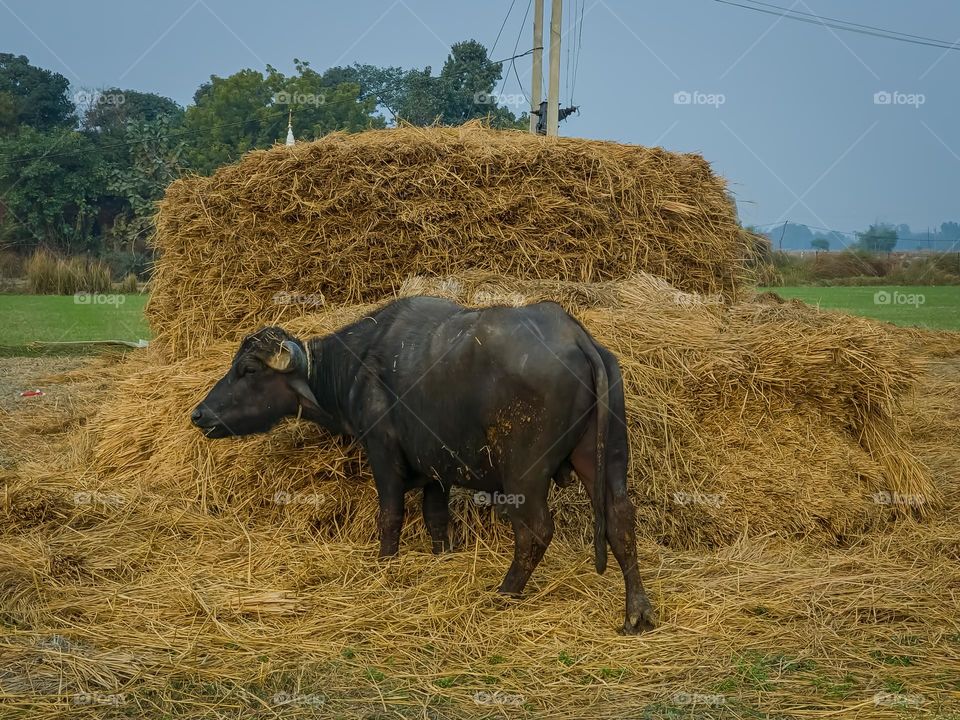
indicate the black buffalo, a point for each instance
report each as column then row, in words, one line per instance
column 501, row 400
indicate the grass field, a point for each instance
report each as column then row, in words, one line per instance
column 936, row 308
column 58, row 318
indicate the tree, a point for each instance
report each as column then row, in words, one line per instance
column 51, row 183
column 464, row 90
column 32, row 97
column 249, row 110
column 950, row 231
column 108, row 111
column 820, row 242
column 878, row 238
column 154, row 162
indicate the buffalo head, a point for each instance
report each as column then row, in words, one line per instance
column 267, row 381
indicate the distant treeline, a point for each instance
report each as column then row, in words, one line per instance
column 876, row 238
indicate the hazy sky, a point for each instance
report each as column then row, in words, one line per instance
column 785, row 110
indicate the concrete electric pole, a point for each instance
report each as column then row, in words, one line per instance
column 553, row 86
column 537, row 82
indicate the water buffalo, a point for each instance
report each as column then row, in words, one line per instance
column 501, row 400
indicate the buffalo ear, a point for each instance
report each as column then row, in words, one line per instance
column 289, row 357
column 301, row 388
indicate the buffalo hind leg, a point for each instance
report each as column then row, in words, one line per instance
column 532, row 532
column 621, row 524
column 436, row 515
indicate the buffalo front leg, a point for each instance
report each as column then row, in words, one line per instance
column 436, row 515
column 389, row 479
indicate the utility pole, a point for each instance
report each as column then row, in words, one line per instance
column 553, row 87
column 537, row 64
column 782, row 232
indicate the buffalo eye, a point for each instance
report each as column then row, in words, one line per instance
column 248, row 367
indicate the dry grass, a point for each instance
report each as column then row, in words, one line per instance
column 349, row 217
column 49, row 274
column 177, row 582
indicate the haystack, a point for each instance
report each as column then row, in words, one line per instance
column 348, row 218
column 745, row 419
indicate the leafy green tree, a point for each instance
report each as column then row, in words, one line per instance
column 820, row 242
column 108, row 111
column 464, row 90
column 878, row 238
column 154, row 162
column 249, row 110
column 50, row 183
column 32, row 97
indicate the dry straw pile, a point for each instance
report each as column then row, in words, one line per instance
column 350, row 217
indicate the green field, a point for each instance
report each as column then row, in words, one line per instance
column 58, row 318
column 933, row 307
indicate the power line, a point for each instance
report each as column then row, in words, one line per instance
column 506, row 75
column 846, row 22
column 576, row 57
column 502, row 26
column 819, row 20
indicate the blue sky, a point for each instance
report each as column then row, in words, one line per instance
column 784, row 110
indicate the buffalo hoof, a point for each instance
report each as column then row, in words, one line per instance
column 643, row 623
